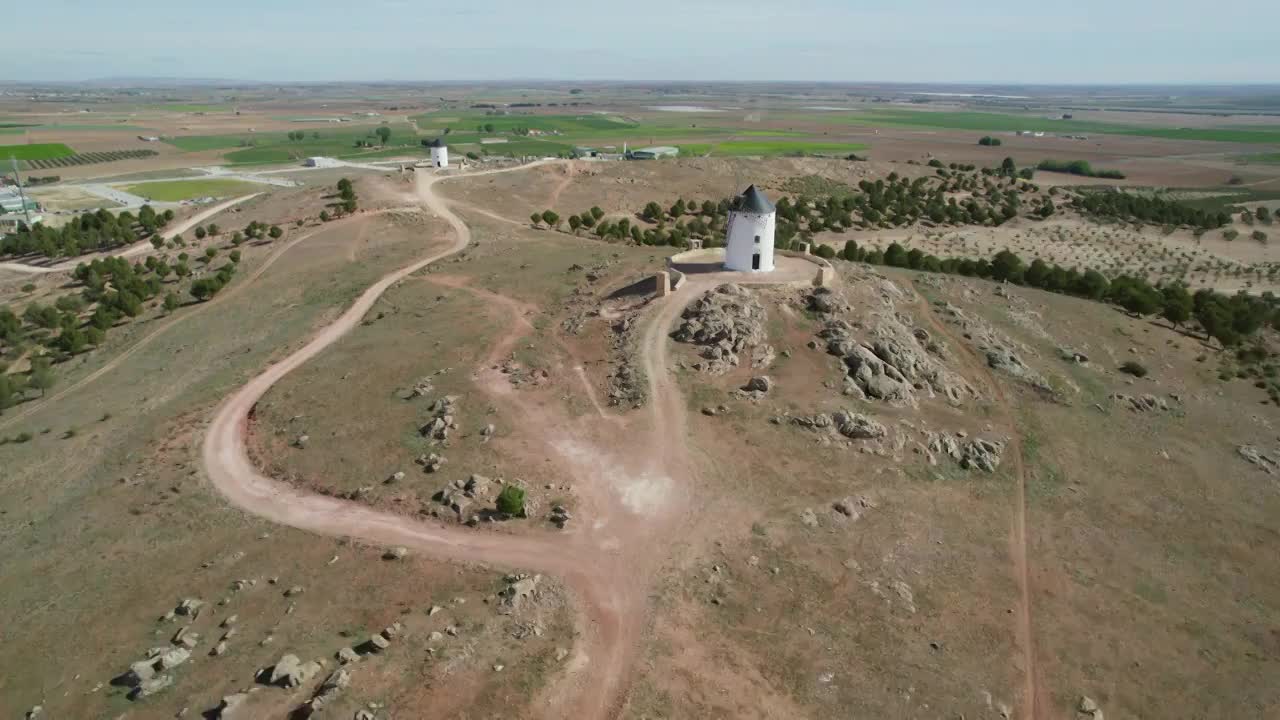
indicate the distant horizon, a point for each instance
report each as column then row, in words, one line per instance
column 144, row 80
column 916, row 41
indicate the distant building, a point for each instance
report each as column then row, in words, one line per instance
column 749, row 233
column 148, row 138
column 11, row 201
column 321, row 162
column 656, row 152
column 10, row 221
column 439, row 153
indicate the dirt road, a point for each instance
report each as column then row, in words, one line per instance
column 1034, row 699
column 610, row 601
column 629, row 494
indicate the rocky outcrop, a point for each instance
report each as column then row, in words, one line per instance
column 894, row 363
column 442, row 422
column 1266, row 462
column 725, row 322
column 1140, row 403
column 969, row 453
column 1001, row 353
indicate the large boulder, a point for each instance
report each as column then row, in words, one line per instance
column 151, row 686
column 291, row 672
column 857, row 426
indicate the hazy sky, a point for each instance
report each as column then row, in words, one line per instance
column 1085, row 41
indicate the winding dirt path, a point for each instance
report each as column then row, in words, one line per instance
column 1034, row 699
column 596, row 561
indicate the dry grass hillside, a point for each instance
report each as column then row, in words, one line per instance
column 906, row 495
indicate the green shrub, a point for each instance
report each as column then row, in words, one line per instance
column 1133, row 368
column 825, row 252
column 511, row 501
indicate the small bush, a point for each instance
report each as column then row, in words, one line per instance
column 29, row 287
column 1133, row 368
column 22, row 437
column 1259, row 236
column 826, row 252
column 1230, row 234
column 511, row 501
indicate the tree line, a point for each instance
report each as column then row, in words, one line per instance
column 1229, row 319
column 90, row 232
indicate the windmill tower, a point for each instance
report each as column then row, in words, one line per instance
column 439, row 154
column 749, row 233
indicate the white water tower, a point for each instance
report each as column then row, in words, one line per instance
column 439, row 154
column 749, row 233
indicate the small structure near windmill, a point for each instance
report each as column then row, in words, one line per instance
column 439, row 153
column 749, row 233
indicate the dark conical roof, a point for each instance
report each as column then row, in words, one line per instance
column 753, row 201
column 436, row 143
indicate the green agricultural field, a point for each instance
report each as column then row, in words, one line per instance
column 1265, row 158
column 276, row 147
column 695, row 149
column 770, row 133
column 785, row 147
column 176, row 190
column 39, row 151
column 518, row 148
column 188, row 107
column 1001, row 122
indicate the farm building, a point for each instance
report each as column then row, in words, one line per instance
column 321, row 162
column 11, row 221
column 653, row 153
column 11, row 201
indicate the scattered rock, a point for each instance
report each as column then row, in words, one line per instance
column 809, row 518
column 1087, row 709
column 329, row 690
column 229, row 705
column 1074, row 356
column 560, row 516
column 981, row 454
column 290, row 672
column 395, row 477
column 378, row 643
column 431, row 462
column 219, row 649
column 857, row 426
column 346, row 656
column 1268, row 463
column 518, row 589
column 396, row 553
column 189, row 607
column 758, row 384
column 301, row 441
column 172, row 658
column 827, row 301
column 1140, row 403
column 294, row 591
column 850, row 507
